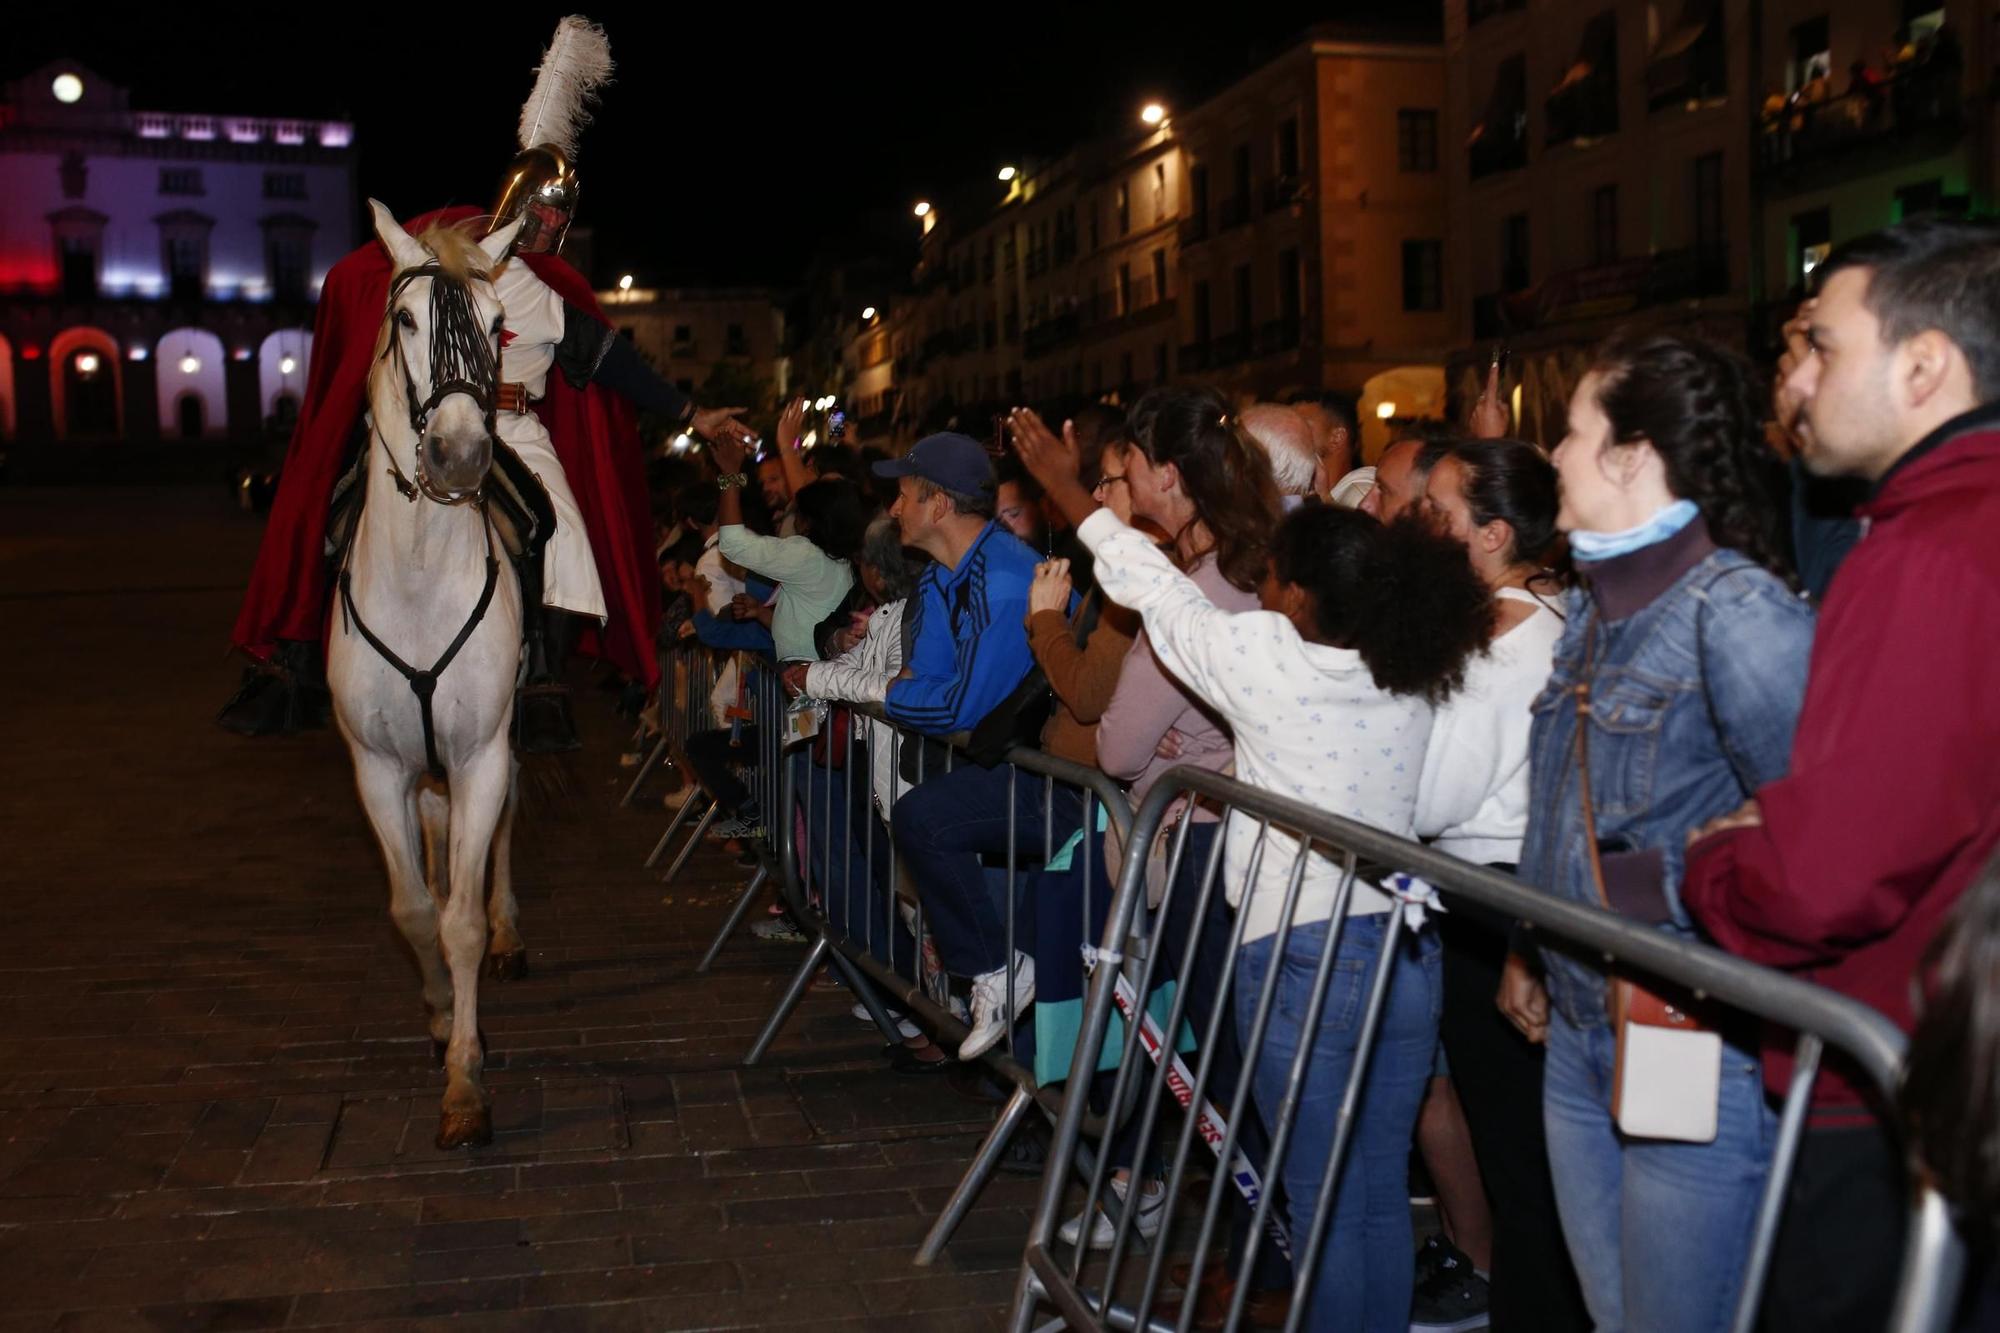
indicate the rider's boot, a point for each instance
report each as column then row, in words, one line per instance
column 276, row 698
column 544, row 722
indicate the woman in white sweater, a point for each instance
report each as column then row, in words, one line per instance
column 1329, row 691
column 1498, row 498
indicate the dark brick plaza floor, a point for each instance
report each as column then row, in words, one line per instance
column 216, row 1091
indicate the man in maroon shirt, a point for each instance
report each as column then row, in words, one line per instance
column 1843, row 870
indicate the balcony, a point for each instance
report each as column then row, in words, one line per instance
column 1235, row 212
column 1917, row 114
column 1194, row 230
column 1051, row 333
column 1231, row 348
column 1281, row 192
column 1278, row 335
column 1491, row 153
column 1602, row 291
column 1584, row 110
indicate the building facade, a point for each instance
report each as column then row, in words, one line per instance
column 158, row 270
column 693, row 334
column 1682, row 164
column 1288, row 233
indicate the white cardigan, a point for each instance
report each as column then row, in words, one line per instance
column 862, row 675
column 1310, row 722
column 1472, row 800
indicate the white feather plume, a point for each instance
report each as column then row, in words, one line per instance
column 576, row 65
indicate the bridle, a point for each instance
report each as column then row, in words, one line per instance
column 462, row 361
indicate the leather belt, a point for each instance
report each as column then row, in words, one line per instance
column 511, row 398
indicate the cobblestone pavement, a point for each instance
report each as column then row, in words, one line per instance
column 216, row 1092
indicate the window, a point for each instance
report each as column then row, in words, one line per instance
column 1416, row 140
column 1812, row 238
column 284, row 185
column 1514, row 253
column 187, row 256
column 1198, row 195
column 1160, row 209
column 1710, row 243
column 1202, row 327
column 1812, row 54
column 1124, row 211
column 1604, row 223
column 1920, row 198
column 79, row 267
column 180, row 180
column 733, row 340
column 1499, row 141
column 683, row 334
column 1244, row 309
column 1242, row 175
column 1159, row 275
column 1423, row 275
column 1289, row 295
column 1288, row 147
column 1124, row 290
column 287, row 252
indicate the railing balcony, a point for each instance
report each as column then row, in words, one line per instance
column 1281, row 192
column 1278, row 335
column 1921, row 108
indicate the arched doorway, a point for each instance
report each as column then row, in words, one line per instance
column 1405, row 393
column 6, row 389
column 85, row 387
column 189, row 417
column 190, row 361
column 283, row 360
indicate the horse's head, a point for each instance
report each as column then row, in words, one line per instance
column 442, row 333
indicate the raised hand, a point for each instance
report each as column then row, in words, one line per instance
column 1490, row 417
column 791, row 424
column 1051, row 588
column 1052, row 461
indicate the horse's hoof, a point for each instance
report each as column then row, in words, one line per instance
column 508, row 966
column 465, row 1129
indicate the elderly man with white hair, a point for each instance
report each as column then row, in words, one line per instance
column 1288, row 442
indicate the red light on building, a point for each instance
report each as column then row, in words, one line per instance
column 30, row 352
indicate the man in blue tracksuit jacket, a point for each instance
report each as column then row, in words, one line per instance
column 969, row 643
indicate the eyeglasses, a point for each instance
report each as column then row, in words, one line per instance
column 1107, row 481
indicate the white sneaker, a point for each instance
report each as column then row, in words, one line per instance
column 674, row 800
column 990, row 1008
column 903, row 1025
column 1152, row 1212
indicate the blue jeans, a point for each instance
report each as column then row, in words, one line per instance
column 947, row 827
column 1365, row 1270
column 846, row 855
column 1659, row 1230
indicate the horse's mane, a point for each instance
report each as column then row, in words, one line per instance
column 457, row 251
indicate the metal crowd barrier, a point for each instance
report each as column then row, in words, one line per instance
column 688, row 672
column 814, row 861
column 1115, row 1295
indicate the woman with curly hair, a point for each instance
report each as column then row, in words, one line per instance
column 1329, row 690
column 1685, row 649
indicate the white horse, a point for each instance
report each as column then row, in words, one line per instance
column 426, row 642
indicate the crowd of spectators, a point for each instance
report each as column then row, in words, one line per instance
column 1591, row 661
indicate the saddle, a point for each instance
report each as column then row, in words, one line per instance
column 515, row 501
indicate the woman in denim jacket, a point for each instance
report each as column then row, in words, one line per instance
column 1695, row 656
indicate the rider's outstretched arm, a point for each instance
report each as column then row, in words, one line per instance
column 591, row 353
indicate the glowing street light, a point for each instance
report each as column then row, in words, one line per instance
column 923, row 208
column 625, row 283
column 867, row 313
column 86, row 365
column 1007, row 173
column 1152, row 113
column 1385, row 410
column 287, row 364
column 67, row 88
column 190, row 363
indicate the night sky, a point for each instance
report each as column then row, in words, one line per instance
column 736, row 141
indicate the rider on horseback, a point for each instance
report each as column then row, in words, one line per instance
column 574, row 463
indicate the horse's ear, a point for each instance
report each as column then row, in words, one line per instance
column 402, row 247
column 498, row 242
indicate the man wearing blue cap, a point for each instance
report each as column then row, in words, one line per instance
column 969, row 652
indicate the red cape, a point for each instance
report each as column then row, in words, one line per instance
column 594, row 433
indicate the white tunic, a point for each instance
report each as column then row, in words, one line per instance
column 533, row 315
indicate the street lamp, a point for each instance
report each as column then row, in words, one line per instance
column 190, row 363
column 625, row 283
column 1152, row 113
column 1385, row 410
column 67, row 88
column 287, row 364
column 1007, row 173
column 867, row 314
column 923, row 208
column 86, row 365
